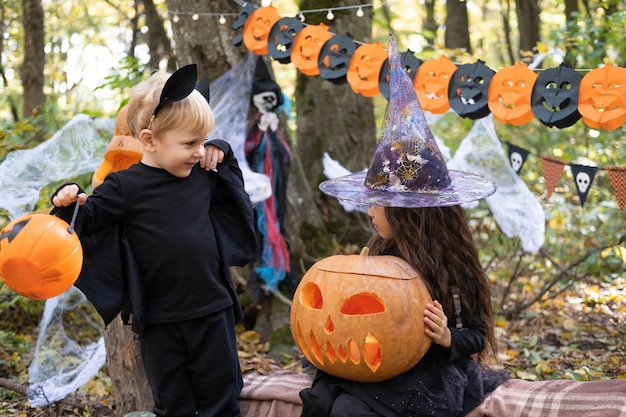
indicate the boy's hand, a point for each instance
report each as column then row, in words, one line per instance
column 212, row 156
column 436, row 323
column 67, row 196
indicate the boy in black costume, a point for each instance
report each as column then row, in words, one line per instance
column 180, row 218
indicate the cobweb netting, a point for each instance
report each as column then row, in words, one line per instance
column 61, row 364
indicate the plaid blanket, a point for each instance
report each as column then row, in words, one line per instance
column 558, row 398
column 276, row 395
column 273, row 395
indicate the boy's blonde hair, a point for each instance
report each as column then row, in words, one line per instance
column 192, row 113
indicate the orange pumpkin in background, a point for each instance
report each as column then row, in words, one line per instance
column 431, row 84
column 123, row 150
column 364, row 69
column 39, row 257
column 602, row 97
column 510, row 92
column 307, row 46
column 361, row 317
column 256, row 30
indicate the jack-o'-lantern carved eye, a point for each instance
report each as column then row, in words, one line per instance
column 360, row 304
column 311, row 296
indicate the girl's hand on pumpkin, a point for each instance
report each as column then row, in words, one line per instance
column 67, row 196
column 436, row 323
column 212, row 156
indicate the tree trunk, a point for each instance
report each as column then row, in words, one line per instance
column 457, row 26
column 34, row 57
column 128, row 379
column 158, row 41
column 430, row 24
column 528, row 23
column 571, row 11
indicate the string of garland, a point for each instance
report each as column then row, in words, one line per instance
column 558, row 97
column 300, row 13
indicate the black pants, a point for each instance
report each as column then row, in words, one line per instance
column 193, row 366
column 322, row 400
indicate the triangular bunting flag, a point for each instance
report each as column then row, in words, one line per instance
column 517, row 157
column 552, row 172
column 583, row 178
column 618, row 181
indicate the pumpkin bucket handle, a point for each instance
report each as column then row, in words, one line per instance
column 73, row 221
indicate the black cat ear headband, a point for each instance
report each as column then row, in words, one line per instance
column 180, row 84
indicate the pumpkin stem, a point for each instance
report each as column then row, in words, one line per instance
column 365, row 251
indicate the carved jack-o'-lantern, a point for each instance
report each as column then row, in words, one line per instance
column 555, row 97
column 468, row 90
column 281, row 38
column 509, row 94
column 602, row 97
column 335, row 57
column 307, row 46
column 431, row 84
column 411, row 65
column 39, row 257
column 364, row 68
column 361, row 317
column 257, row 29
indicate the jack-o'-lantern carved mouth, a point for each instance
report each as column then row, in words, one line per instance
column 368, row 349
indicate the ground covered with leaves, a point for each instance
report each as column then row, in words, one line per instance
column 577, row 335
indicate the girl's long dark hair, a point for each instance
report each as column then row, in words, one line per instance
column 437, row 243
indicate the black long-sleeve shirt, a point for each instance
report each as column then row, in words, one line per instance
column 170, row 224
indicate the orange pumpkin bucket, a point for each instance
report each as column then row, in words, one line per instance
column 39, row 257
column 350, row 312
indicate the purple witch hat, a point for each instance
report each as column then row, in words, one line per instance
column 407, row 168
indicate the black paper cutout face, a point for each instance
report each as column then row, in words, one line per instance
column 468, row 90
column 335, row 57
column 555, row 97
column 411, row 65
column 240, row 22
column 281, row 38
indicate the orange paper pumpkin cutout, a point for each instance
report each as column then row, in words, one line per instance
column 602, row 97
column 510, row 92
column 256, row 30
column 431, row 84
column 123, row 150
column 361, row 317
column 307, row 46
column 39, row 257
column 364, row 69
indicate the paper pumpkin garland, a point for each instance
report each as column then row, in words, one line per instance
column 365, row 67
column 602, row 97
column 39, row 257
column 555, row 97
column 411, row 65
column 306, row 48
column 334, row 58
column 468, row 91
column 281, row 38
column 361, row 317
column 431, row 84
column 240, row 22
column 256, row 30
column 510, row 92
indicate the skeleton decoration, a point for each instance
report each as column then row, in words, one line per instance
column 583, row 177
column 517, row 157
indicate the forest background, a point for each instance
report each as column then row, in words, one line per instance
column 561, row 310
